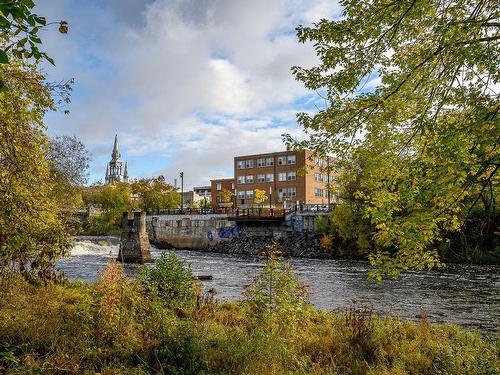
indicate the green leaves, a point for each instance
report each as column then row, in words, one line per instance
column 4, row 59
column 33, row 234
column 19, row 28
column 419, row 149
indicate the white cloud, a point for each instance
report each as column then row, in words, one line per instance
column 201, row 77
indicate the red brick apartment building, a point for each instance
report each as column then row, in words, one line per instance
column 288, row 177
column 217, row 186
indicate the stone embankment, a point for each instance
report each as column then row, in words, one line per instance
column 290, row 244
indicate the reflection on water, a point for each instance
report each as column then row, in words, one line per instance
column 467, row 295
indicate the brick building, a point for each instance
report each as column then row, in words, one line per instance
column 288, row 177
column 216, row 187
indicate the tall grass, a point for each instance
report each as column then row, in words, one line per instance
column 162, row 323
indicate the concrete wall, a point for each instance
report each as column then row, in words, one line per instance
column 201, row 232
column 190, row 233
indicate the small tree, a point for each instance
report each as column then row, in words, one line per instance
column 276, row 294
column 260, row 196
column 226, row 196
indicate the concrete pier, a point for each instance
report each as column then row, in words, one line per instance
column 134, row 240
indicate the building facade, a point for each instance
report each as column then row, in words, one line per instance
column 217, row 186
column 114, row 172
column 199, row 197
column 288, row 178
column 203, row 195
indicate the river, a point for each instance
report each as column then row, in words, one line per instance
column 464, row 294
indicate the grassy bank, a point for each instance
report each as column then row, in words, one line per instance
column 161, row 323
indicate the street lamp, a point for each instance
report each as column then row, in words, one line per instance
column 270, row 196
column 328, row 186
column 182, row 191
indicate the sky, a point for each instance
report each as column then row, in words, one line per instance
column 186, row 84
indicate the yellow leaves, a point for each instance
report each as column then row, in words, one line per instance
column 260, row 196
column 326, row 241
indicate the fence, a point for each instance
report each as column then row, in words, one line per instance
column 244, row 212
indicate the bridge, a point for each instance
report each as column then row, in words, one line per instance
column 254, row 213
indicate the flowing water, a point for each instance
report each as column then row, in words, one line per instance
column 464, row 294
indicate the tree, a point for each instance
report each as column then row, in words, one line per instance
column 276, row 294
column 19, row 29
column 155, row 193
column 259, row 196
column 226, row 196
column 423, row 144
column 69, row 162
column 32, row 235
column 113, row 200
column 69, row 158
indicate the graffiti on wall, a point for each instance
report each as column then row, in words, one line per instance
column 224, row 233
column 297, row 223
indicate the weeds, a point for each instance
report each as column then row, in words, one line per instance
column 162, row 324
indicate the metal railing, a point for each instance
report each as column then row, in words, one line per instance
column 189, row 211
column 261, row 213
column 255, row 212
column 313, row 207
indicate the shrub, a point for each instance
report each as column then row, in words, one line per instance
column 170, row 279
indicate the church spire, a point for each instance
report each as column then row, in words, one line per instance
column 114, row 168
column 125, row 173
column 116, row 153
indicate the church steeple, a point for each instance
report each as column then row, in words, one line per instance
column 116, row 153
column 114, row 167
column 125, row 173
column 107, row 174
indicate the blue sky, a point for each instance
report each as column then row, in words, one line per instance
column 186, row 84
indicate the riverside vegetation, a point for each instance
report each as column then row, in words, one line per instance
column 426, row 165
column 163, row 323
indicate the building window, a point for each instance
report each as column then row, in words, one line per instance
column 249, row 179
column 249, row 164
column 261, row 162
column 319, row 192
column 219, row 187
column 282, row 176
column 269, row 162
column 318, row 177
column 261, row 178
column 241, row 179
column 291, row 176
column 292, row 192
column 241, row 194
column 290, row 159
column 317, row 162
column 282, row 192
column 240, row 164
column 217, row 198
column 249, row 194
column 281, row 160
column 270, row 177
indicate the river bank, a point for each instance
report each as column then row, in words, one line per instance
column 116, row 325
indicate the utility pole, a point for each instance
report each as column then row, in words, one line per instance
column 182, row 191
column 328, row 181
column 270, row 196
